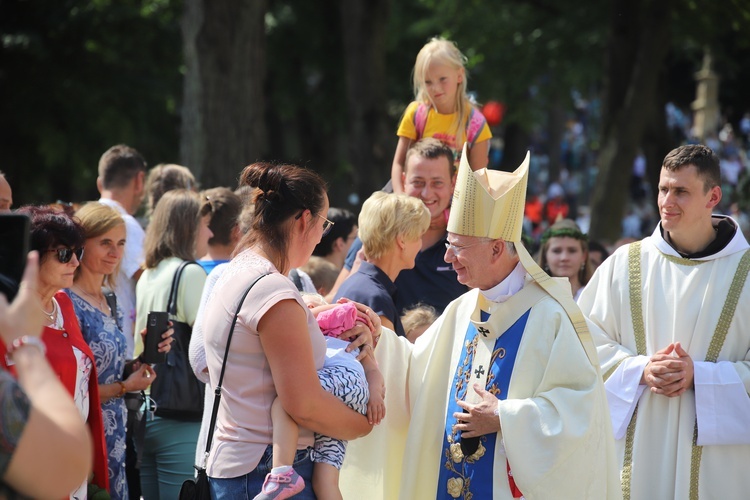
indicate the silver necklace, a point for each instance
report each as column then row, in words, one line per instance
column 52, row 315
column 55, row 317
column 99, row 300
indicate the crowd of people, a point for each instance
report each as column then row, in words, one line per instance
column 414, row 350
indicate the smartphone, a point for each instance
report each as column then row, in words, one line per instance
column 469, row 445
column 156, row 324
column 15, row 232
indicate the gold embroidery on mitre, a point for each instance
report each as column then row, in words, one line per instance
column 489, row 203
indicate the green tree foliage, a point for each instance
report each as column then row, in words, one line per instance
column 520, row 49
column 77, row 77
column 308, row 112
column 304, row 83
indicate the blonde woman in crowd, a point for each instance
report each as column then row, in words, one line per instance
column 391, row 228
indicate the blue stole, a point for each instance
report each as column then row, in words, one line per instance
column 473, row 476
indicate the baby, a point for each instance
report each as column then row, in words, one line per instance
column 346, row 378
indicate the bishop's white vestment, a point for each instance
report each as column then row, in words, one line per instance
column 555, row 437
column 644, row 297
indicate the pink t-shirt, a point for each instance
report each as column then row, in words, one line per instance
column 243, row 427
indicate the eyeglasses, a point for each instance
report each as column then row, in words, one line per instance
column 457, row 249
column 327, row 225
column 65, row 254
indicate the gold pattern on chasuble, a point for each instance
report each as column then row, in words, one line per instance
column 639, row 332
column 636, row 298
column 712, row 355
column 459, row 487
column 730, row 306
column 684, row 262
column 463, row 372
column 627, row 462
column 492, row 387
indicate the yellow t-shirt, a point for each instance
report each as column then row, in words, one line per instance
column 440, row 127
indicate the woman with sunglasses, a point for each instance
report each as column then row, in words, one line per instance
column 59, row 240
column 100, row 318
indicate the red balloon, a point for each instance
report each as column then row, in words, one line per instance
column 493, row 112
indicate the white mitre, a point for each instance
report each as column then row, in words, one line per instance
column 490, row 204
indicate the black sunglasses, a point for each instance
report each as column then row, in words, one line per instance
column 65, row 254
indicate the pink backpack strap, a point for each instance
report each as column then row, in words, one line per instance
column 420, row 119
column 474, row 126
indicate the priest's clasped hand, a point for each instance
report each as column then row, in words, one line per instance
column 482, row 418
column 670, row 371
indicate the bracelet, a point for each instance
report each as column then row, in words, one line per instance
column 25, row 340
column 123, row 390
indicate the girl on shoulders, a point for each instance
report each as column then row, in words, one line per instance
column 441, row 109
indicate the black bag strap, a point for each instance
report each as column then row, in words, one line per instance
column 111, row 299
column 217, row 391
column 172, row 302
column 296, row 279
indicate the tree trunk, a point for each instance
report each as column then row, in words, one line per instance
column 370, row 141
column 657, row 140
column 223, row 127
column 516, row 142
column 556, row 127
column 638, row 47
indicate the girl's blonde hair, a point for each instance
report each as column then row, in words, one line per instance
column 384, row 216
column 419, row 316
column 442, row 51
column 98, row 219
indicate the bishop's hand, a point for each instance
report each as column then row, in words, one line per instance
column 479, row 419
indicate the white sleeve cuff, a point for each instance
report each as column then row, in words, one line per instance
column 624, row 389
column 722, row 404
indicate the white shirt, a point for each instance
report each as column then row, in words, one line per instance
column 511, row 285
